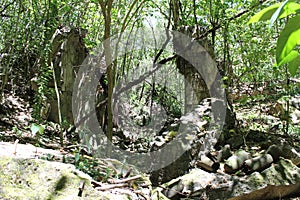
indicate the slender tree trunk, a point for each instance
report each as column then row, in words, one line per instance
column 106, row 7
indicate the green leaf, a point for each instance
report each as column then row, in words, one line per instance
column 292, row 55
column 77, row 157
column 290, row 8
column 293, row 66
column 35, row 128
column 269, row 12
column 277, row 13
column 264, row 14
column 288, row 39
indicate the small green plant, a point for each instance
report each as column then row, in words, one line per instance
column 91, row 166
column 65, row 124
column 37, row 129
column 17, row 131
column 88, row 165
column 295, row 129
column 44, row 92
column 48, row 157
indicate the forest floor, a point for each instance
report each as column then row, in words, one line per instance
column 260, row 123
column 16, row 121
column 255, row 119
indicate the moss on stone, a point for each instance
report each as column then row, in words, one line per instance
column 38, row 179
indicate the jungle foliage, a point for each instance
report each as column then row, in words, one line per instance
column 258, row 64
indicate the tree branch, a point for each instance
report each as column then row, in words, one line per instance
column 103, row 8
column 230, row 19
column 5, row 7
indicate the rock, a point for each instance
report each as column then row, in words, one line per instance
column 38, row 179
column 28, row 151
column 285, row 151
column 158, row 195
column 280, row 109
column 276, row 182
column 275, row 151
column 177, row 168
column 24, row 176
column 295, row 102
column 199, row 130
column 295, row 117
column 195, row 184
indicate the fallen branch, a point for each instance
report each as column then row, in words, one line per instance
column 110, row 186
column 126, row 180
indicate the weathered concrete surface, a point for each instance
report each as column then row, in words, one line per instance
column 25, row 174
column 38, row 179
column 279, row 180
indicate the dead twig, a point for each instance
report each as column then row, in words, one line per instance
column 15, row 146
column 141, row 194
column 127, row 173
column 126, row 180
column 81, row 188
column 110, row 186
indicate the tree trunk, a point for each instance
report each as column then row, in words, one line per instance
column 195, row 87
column 106, row 8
